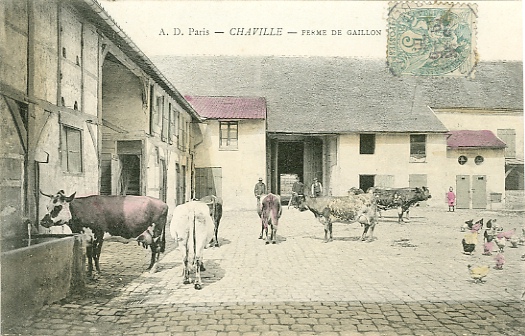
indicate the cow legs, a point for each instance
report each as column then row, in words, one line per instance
column 96, row 249
column 216, row 234
column 89, row 255
column 328, row 232
column 274, row 233
column 198, row 280
column 363, row 236
column 155, row 255
column 263, row 230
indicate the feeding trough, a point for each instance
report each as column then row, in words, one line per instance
column 39, row 270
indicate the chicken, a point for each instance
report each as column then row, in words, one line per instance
column 489, row 235
column 477, row 226
column 500, row 261
column 488, row 247
column 469, row 242
column 478, row 273
column 490, row 230
column 501, row 242
column 506, row 234
column 514, row 242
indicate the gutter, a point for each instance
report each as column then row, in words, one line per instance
column 101, row 12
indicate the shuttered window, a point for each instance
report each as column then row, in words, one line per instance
column 508, row 136
column 71, row 149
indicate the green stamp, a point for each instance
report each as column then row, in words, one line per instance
column 432, row 39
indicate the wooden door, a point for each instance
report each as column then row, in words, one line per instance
column 479, row 192
column 462, row 191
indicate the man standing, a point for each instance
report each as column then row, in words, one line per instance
column 317, row 188
column 260, row 189
column 297, row 192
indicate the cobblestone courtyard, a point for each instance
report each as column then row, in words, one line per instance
column 412, row 280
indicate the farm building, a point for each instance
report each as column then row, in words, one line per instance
column 84, row 110
column 351, row 123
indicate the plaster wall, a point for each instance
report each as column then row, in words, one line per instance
column 240, row 168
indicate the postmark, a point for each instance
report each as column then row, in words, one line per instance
column 432, row 39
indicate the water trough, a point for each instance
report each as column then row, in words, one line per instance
column 37, row 271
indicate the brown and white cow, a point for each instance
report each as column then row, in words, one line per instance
column 345, row 209
column 407, row 198
column 192, row 227
column 140, row 217
column 269, row 210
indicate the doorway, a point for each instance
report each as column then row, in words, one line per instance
column 290, row 164
column 366, row 182
column 479, row 192
column 462, row 191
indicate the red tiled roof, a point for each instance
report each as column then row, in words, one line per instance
column 229, row 107
column 469, row 138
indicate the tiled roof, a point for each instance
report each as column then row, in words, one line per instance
column 229, row 107
column 338, row 95
column 473, row 139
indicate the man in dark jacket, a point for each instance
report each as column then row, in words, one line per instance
column 297, row 192
column 260, row 188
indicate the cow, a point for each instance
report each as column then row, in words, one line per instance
column 215, row 205
column 269, row 210
column 140, row 217
column 405, row 199
column 345, row 209
column 192, row 227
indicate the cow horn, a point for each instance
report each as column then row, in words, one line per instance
column 71, row 197
column 45, row 194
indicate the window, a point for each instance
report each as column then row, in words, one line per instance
column 172, row 128
column 367, row 143
column 71, row 147
column 165, row 122
column 508, row 136
column 228, row 134
column 462, row 159
column 479, row 160
column 418, row 147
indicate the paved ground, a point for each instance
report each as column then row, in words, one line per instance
column 412, row 280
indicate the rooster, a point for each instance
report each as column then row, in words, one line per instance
column 500, row 261
column 478, row 273
column 469, row 242
column 477, row 226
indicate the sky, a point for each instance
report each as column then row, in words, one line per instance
column 307, row 28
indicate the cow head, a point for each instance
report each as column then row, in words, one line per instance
column 423, row 194
column 301, row 203
column 57, row 209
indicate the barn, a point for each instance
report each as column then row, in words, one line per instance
column 351, row 123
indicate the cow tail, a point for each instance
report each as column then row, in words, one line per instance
column 163, row 243
column 194, row 239
column 265, row 213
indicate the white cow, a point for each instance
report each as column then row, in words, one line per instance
column 192, row 227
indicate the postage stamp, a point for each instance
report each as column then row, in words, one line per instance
column 432, row 38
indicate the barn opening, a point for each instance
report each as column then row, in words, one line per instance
column 366, row 182
column 290, row 159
